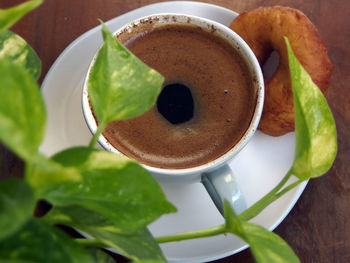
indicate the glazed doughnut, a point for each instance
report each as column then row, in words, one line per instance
column 263, row 30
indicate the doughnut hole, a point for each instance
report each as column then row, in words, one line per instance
column 271, row 64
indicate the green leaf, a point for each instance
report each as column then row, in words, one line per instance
column 134, row 245
column 112, row 186
column 266, row 246
column 17, row 50
column 10, row 16
column 101, row 256
column 77, row 216
column 41, row 243
column 17, row 205
column 138, row 245
column 120, row 85
column 44, row 174
column 315, row 131
column 22, row 111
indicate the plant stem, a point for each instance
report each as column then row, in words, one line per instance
column 90, row 242
column 213, row 231
column 99, row 130
column 288, row 188
column 260, row 205
column 251, row 212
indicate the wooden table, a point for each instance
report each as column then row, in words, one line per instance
column 318, row 228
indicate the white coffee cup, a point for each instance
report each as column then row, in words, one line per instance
column 216, row 175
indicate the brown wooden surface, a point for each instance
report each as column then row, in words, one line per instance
column 318, row 228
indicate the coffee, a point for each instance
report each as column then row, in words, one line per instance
column 212, row 74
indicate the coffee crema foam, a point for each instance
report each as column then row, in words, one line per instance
column 222, row 91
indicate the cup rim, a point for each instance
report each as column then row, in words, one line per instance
column 240, row 45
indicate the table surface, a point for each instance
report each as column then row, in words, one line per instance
column 318, row 227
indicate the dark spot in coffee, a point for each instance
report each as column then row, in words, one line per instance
column 175, row 103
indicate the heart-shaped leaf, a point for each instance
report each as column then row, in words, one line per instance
column 17, row 50
column 112, row 186
column 17, row 205
column 22, row 111
column 135, row 245
column 41, row 243
column 120, row 85
column 315, row 131
column 44, row 174
column 101, row 256
column 11, row 15
column 266, row 246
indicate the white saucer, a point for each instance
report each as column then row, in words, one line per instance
column 259, row 166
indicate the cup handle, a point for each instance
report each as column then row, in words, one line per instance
column 221, row 184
